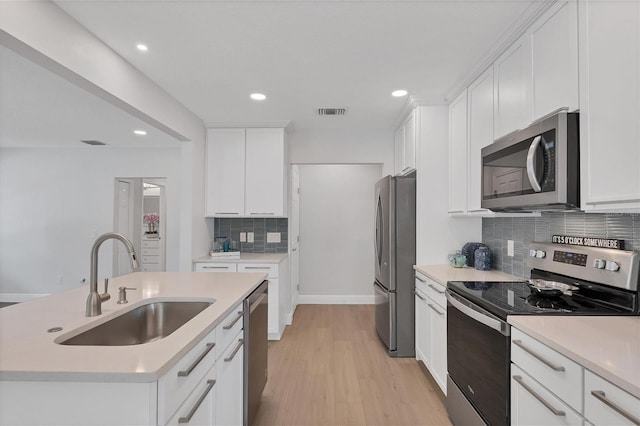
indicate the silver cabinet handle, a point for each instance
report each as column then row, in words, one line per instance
column 419, row 296
column 539, row 357
column 263, row 213
column 295, row 249
column 434, row 308
column 420, row 279
column 233, row 322
column 215, row 267
column 235, row 350
column 436, row 289
column 210, row 384
column 549, row 407
column 226, row 213
column 603, row 397
column 261, row 268
column 184, row 373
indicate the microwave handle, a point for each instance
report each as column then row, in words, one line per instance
column 531, row 171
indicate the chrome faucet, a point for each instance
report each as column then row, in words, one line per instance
column 95, row 299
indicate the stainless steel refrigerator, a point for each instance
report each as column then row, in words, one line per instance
column 395, row 255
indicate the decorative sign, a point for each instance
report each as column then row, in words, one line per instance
column 588, row 242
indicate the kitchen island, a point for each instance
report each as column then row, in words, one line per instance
column 109, row 384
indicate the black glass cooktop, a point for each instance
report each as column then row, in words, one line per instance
column 517, row 298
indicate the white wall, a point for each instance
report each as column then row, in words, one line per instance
column 437, row 232
column 342, row 146
column 336, row 232
column 55, row 202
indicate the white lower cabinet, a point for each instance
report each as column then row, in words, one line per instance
column 431, row 328
column 200, row 407
column 229, row 369
column 532, row 404
column 607, row 404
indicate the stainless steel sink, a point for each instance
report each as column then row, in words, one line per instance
column 144, row 324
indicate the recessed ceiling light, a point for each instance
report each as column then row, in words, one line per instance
column 140, row 132
column 257, row 96
column 142, row 47
column 399, row 93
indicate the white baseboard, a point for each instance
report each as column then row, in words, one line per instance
column 19, row 297
column 335, row 300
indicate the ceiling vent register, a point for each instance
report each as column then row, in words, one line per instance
column 331, row 111
column 93, row 142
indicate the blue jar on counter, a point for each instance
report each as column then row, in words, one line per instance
column 482, row 258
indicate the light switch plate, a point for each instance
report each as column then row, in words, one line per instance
column 510, row 248
column 249, row 237
column 243, row 237
column 273, row 237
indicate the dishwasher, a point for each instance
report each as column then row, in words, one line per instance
column 256, row 308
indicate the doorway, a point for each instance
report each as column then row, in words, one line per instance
column 140, row 215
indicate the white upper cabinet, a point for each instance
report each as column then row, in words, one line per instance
column 609, row 34
column 458, row 154
column 246, row 171
column 554, row 48
column 225, row 172
column 480, row 99
column 265, row 178
column 405, row 145
column 512, row 74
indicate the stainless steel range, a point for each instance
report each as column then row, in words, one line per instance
column 565, row 280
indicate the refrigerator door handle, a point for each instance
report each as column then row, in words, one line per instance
column 379, row 232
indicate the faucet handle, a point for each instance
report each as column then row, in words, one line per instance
column 105, row 296
column 122, row 294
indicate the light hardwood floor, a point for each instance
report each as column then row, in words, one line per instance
column 330, row 368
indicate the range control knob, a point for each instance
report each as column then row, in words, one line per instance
column 598, row 263
column 532, row 253
column 612, row 266
column 540, row 254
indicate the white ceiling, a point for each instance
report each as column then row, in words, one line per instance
column 303, row 54
column 41, row 109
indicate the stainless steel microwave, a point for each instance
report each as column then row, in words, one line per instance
column 534, row 169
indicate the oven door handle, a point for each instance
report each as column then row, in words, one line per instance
column 531, row 170
column 478, row 314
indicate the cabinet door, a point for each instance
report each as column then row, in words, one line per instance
column 480, row 100
column 398, row 150
column 410, row 142
column 609, row 34
column 438, row 327
column 607, row 404
column 458, row 154
column 264, row 187
column 532, row 404
column 229, row 404
column 225, row 172
column 422, row 327
column 554, row 47
column 512, row 73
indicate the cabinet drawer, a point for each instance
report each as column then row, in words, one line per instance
column 607, row 403
column 533, row 404
column 558, row 373
column 150, row 251
column 269, row 268
column 229, row 328
column 435, row 291
column 150, row 259
column 150, row 244
column 180, row 380
column 199, row 407
column 153, row 267
column 421, row 283
column 216, row 267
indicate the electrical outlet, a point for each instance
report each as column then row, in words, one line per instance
column 243, row 237
column 273, row 237
column 249, row 237
column 510, row 248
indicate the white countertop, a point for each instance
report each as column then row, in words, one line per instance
column 28, row 352
column 607, row 345
column 444, row 273
column 244, row 258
